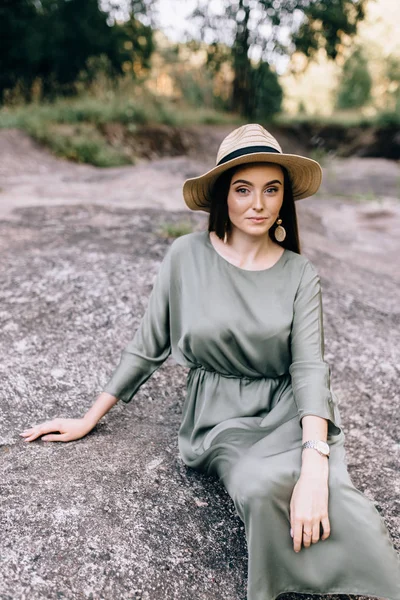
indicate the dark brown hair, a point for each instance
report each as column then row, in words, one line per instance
column 219, row 216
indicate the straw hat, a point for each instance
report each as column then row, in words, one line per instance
column 249, row 144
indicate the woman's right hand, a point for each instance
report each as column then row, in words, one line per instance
column 70, row 429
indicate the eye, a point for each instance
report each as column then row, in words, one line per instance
column 242, row 189
column 272, row 190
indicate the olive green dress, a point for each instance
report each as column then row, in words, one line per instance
column 253, row 341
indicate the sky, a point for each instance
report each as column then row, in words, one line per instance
column 173, row 17
column 174, row 20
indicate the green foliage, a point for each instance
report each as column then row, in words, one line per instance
column 84, row 145
column 393, row 77
column 175, row 230
column 389, row 118
column 17, row 60
column 217, row 55
column 76, row 128
column 61, row 41
column 196, row 87
column 81, row 110
column 349, row 118
column 268, row 94
column 320, row 155
column 257, row 25
column 355, row 83
column 325, row 23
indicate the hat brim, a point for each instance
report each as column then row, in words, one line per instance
column 305, row 175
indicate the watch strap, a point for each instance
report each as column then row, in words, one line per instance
column 314, row 444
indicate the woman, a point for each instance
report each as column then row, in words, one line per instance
column 241, row 307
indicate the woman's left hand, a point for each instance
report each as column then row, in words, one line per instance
column 309, row 507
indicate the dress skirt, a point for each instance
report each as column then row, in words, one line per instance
column 259, row 467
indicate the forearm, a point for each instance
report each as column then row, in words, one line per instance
column 102, row 405
column 314, row 428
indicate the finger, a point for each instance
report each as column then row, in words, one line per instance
column 298, row 536
column 315, row 532
column 307, row 534
column 47, row 427
column 52, row 422
column 32, row 436
column 35, row 432
column 326, row 527
column 292, row 522
column 28, row 431
column 62, row 437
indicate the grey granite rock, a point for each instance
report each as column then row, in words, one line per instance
column 117, row 515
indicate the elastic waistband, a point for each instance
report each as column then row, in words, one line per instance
column 231, row 376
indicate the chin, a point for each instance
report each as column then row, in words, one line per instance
column 256, row 230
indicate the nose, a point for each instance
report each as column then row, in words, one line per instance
column 258, row 201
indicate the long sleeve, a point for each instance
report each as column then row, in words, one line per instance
column 150, row 346
column 310, row 373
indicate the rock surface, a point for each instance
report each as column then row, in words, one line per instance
column 117, row 515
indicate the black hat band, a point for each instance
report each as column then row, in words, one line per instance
column 244, row 151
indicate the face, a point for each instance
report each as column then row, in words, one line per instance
column 255, row 197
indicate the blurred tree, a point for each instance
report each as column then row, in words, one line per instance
column 19, row 44
column 393, row 83
column 267, row 96
column 355, row 82
column 259, row 31
column 133, row 22
column 54, row 39
column 71, row 31
column 137, row 44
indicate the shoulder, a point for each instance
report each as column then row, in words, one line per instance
column 183, row 249
column 184, row 242
column 301, row 270
column 299, row 262
column 186, row 245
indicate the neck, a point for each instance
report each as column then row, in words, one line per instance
column 251, row 248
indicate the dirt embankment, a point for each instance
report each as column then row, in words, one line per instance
column 303, row 138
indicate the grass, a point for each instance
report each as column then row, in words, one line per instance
column 357, row 197
column 175, row 230
column 73, row 128
column 353, row 118
column 81, row 143
column 98, row 111
column 365, row 197
column 320, row 155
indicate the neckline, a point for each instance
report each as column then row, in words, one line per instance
column 208, row 240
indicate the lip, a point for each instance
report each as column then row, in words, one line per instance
column 257, row 219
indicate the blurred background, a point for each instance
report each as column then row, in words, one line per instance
column 81, row 77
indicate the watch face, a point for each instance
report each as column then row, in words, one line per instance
column 323, row 447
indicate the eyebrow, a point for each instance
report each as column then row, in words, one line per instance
column 249, row 182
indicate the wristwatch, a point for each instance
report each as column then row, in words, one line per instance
column 318, row 445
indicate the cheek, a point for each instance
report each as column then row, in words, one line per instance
column 276, row 204
column 236, row 206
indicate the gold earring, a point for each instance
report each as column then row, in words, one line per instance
column 226, row 231
column 280, row 231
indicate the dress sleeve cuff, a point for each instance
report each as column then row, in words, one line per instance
column 312, row 393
